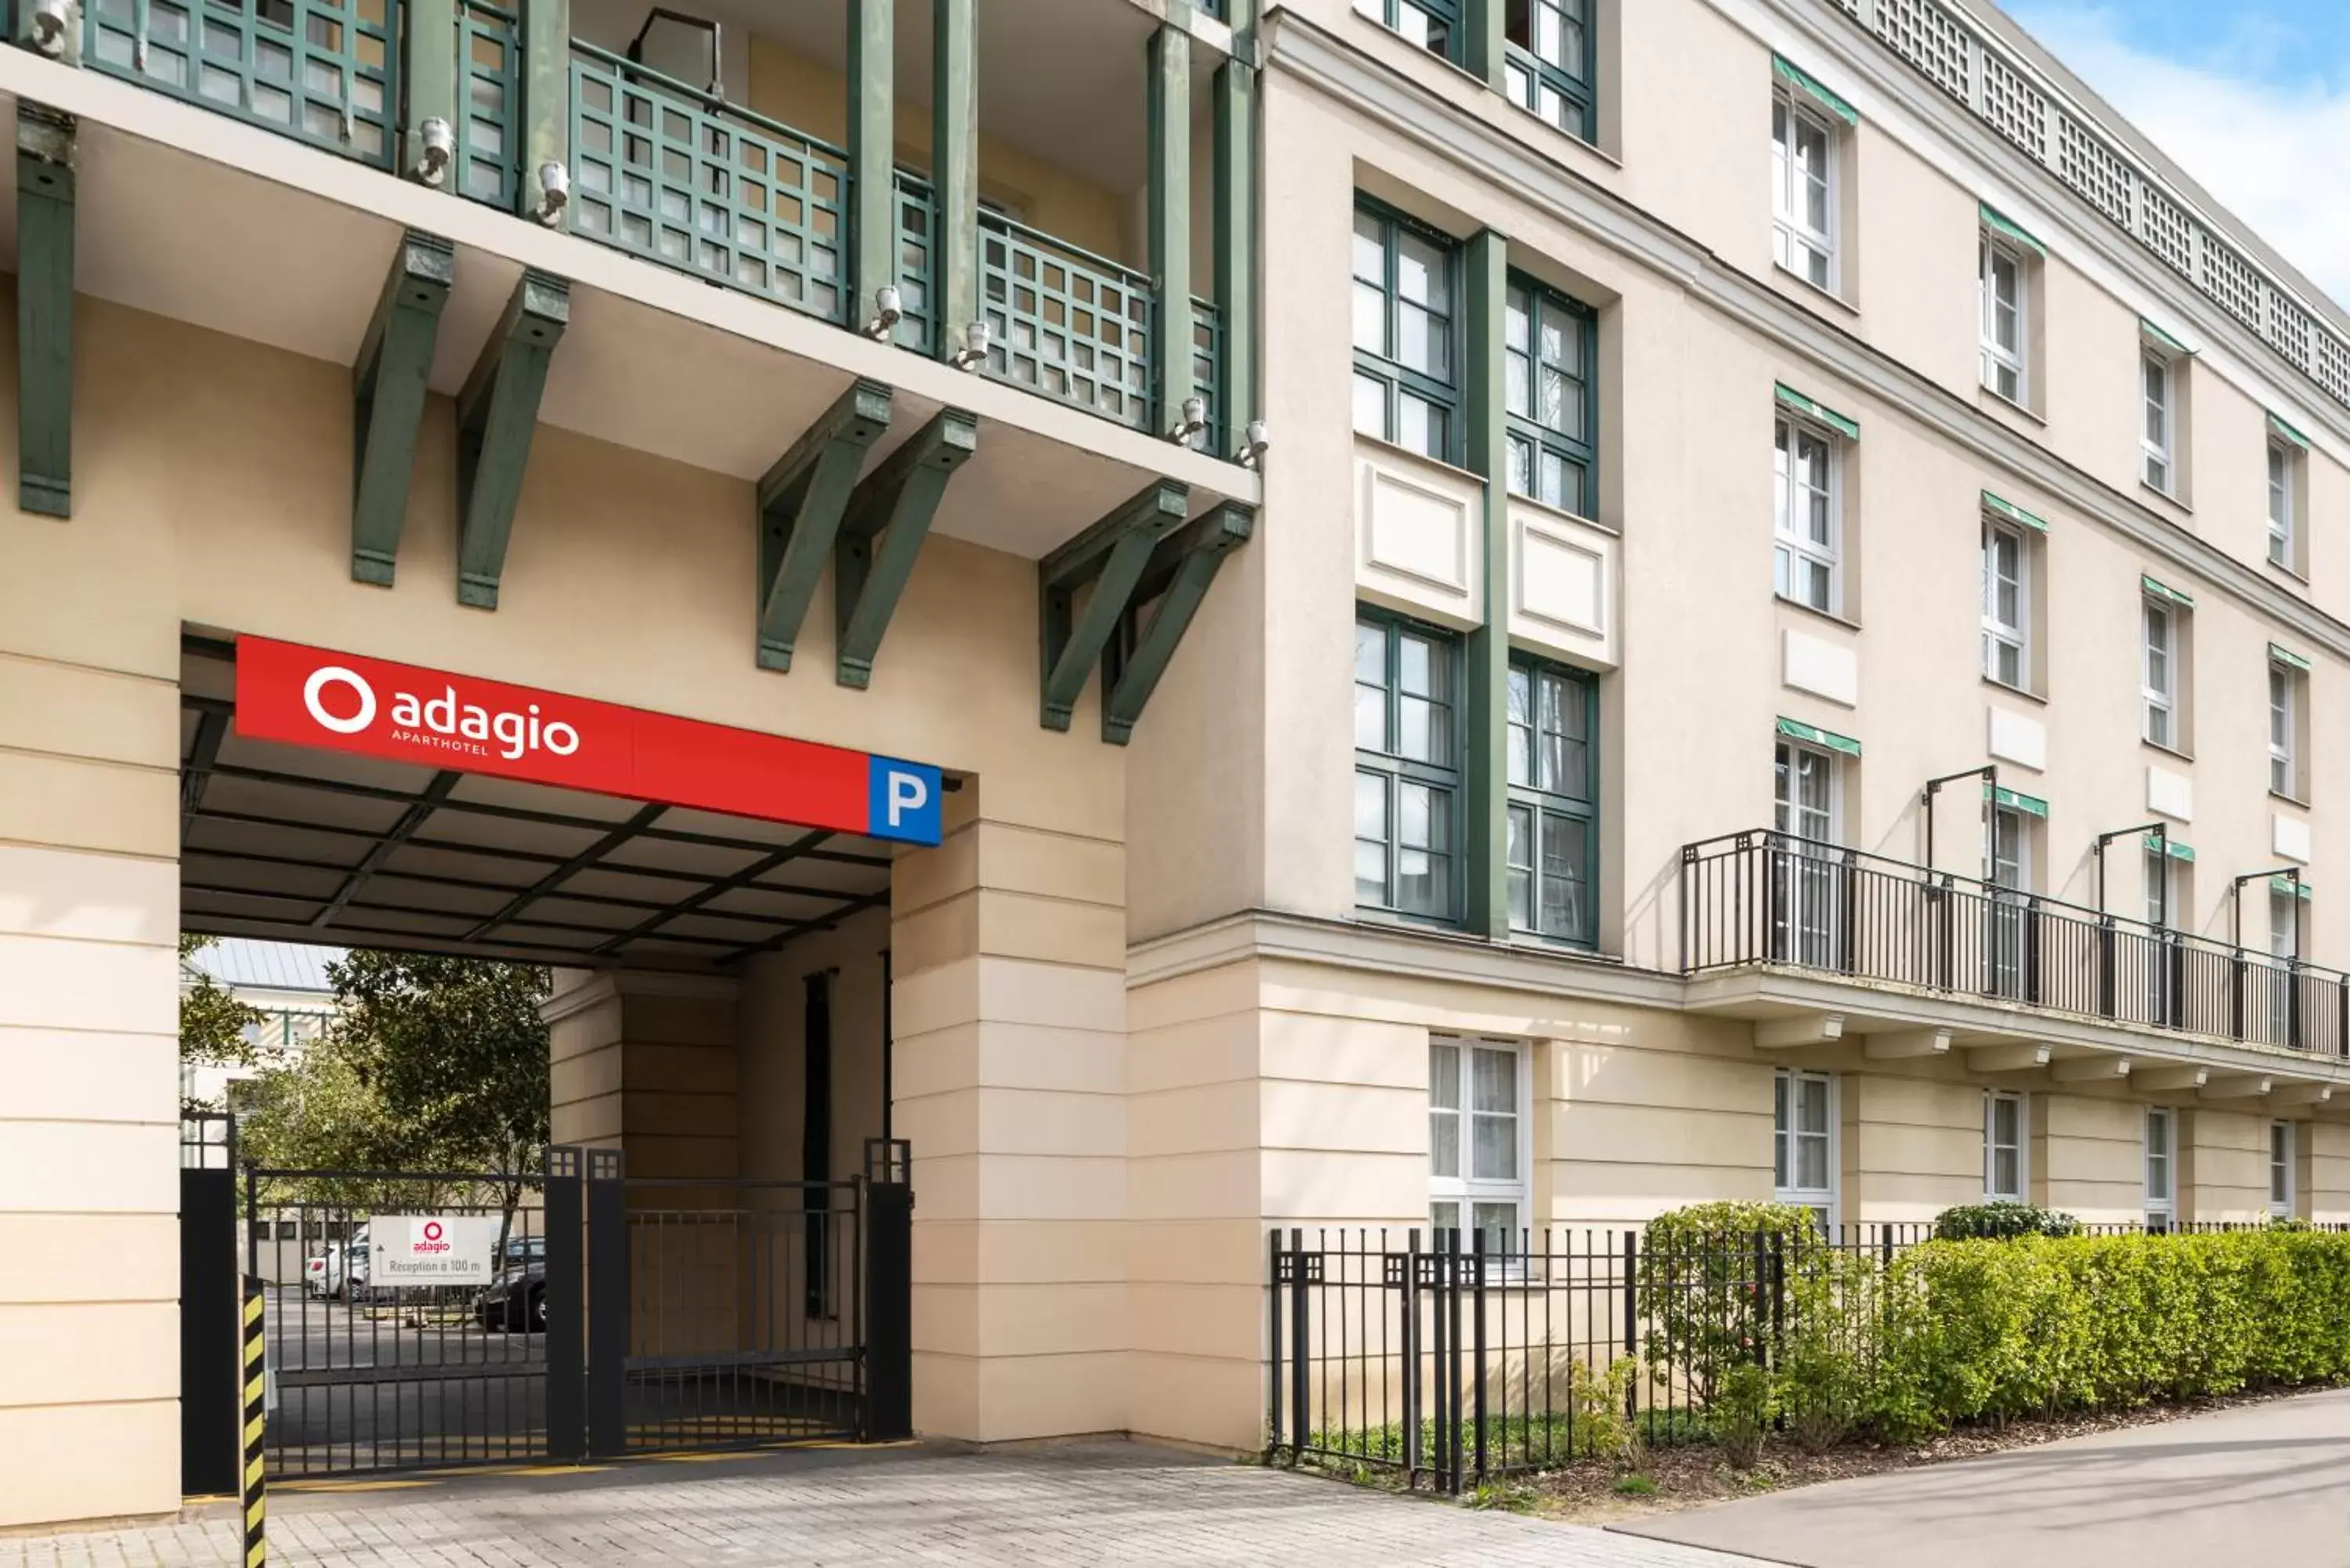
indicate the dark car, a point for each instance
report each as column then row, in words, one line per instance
column 514, row 1301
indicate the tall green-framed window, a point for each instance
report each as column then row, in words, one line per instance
column 1406, row 375
column 1433, row 25
column 1407, row 768
column 1551, row 350
column 1553, row 816
column 1548, row 62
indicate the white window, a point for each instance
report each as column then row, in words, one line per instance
column 2284, row 925
column 1477, row 1148
column 2158, row 890
column 2280, row 1156
column 2285, row 730
column 2157, row 383
column 2161, row 1160
column 1803, row 192
column 2159, row 681
column 2004, row 1177
column 1806, row 873
column 2282, row 543
column 2007, row 912
column 2004, row 323
column 2166, row 893
column 2006, row 607
column 1803, row 1139
column 1807, row 526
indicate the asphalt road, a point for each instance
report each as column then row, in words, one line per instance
column 2265, row 1484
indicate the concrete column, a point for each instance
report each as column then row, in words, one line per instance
column 90, row 1373
column 646, row 1063
column 1009, row 1006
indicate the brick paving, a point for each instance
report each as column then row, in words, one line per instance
column 1063, row 1507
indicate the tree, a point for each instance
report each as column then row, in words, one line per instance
column 213, row 1022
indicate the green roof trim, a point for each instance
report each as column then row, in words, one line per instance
column 2287, row 656
column 2279, row 427
column 1820, row 411
column 1790, row 71
column 1999, row 223
column 2016, row 800
column 2178, row 851
column 2159, row 336
column 2012, row 511
column 2184, row 601
column 2286, row 885
column 1796, row 730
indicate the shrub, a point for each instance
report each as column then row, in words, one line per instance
column 1598, row 1400
column 1832, row 1319
column 1700, row 1288
column 2000, row 1221
column 1744, row 1404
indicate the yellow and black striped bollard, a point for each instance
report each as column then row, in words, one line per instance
column 256, row 1421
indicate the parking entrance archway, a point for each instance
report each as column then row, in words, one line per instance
column 628, row 1296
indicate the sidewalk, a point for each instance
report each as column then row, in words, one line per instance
column 2265, row 1484
column 1072, row 1506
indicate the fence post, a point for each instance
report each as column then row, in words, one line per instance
column 1299, row 1341
column 566, row 1306
column 211, row 1292
column 1452, row 1412
column 1273, row 1342
column 1414, row 1260
column 1477, row 1346
column 2105, row 965
column 886, row 1294
column 253, row 1479
column 608, row 1305
column 1632, row 1319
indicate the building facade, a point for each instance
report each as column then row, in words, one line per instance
column 1774, row 638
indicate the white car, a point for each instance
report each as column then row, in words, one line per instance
column 341, row 1270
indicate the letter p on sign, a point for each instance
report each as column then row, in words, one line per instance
column 903, row 800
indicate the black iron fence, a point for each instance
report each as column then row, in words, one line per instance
column 1768, row 898
column 1447, row 1358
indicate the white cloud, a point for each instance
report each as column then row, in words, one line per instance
column 2274, row 155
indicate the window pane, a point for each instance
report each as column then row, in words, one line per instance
column 1423, row 428
column 1812, row 1164
column 1496, row 1081
column 2003, row 1116
column 2006, row 1175
column 1370, row 407
column 1444, row 1075
column 1421, row 276
column 1495, row 1156
column 1444, row 1216
column 1811, row 1106
column 1370, row 318
column 1370, row 248
column 1497, row 1224
column 1423, row 342
column 1521, row 866
column 1567, row 874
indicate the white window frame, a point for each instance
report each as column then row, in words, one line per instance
column 1789, row 544
column 2285, row 730
column 1992, row 1099
column 1996, row 355
column 2158, row 697
column 1825, row 1200
column 1794, row 242
column 2159, row 427
column 2164, row 1207
column 1465, row 1189
column 2284, row 1150
column 1998, row 633
column 2284, row 523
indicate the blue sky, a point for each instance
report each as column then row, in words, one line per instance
column 2253, row 98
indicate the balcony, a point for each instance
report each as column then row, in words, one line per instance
column 690, row 177
column 1763, row 899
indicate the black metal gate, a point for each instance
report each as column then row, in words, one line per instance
column 616, row 1316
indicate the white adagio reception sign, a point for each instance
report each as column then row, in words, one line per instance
column 412, row 1249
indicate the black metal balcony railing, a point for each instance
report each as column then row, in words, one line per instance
column 1764, row 898
column 324, row 71
column 672, row 173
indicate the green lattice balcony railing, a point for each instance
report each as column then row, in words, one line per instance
column 324, row 71
column 673, row 174
column 1207, row 371
column 1064, row 322
column 916, row 220
column 489, row 104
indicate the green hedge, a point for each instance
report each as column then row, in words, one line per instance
column 2000, row 1221
column 1979, row 1330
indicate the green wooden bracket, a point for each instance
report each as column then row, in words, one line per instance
column 800, row 504
column 1177, row 577
column 45, row 309
column 388, row 395
column 496, row 414
column 882, row 531
column 1112, row 556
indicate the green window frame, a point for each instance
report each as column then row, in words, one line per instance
column 1407, row 333
column 1553, row 864
column 1547, row 58
column 1408, row 797
column 1551, row 352
column 1433, row 25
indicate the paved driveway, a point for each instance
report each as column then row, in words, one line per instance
column 2263, row 1485
column 1075, row 1507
